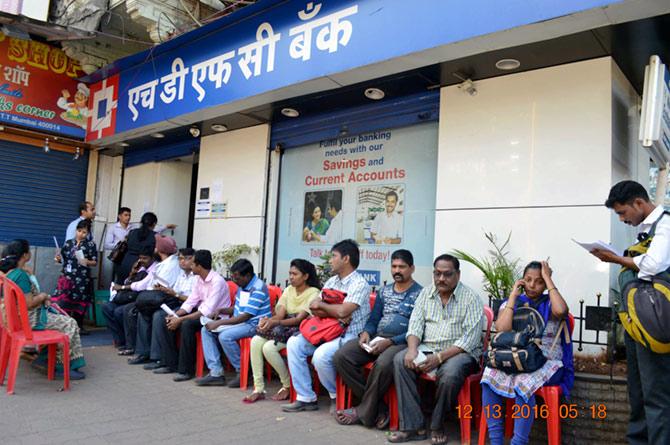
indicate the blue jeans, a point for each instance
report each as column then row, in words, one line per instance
column 298, row 350
column 228, row 340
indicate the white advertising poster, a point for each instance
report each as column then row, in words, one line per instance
column 377, row 188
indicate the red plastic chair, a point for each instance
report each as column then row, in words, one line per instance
column 551, row 396
column 21, row 334
column 199, row 354
column 465, row 395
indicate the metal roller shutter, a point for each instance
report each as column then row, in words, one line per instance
column 40, row 192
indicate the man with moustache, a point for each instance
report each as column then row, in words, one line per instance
column 383, row 336
column 446, row 327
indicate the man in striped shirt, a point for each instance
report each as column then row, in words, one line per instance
column 444, row 339
column 252, row 303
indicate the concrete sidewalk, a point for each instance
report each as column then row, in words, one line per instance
column 123, row 404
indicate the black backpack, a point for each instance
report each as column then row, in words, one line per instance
column 518, row 351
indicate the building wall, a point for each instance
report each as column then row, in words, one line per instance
column 531, row 155
column 237, row 160
column 163, row 188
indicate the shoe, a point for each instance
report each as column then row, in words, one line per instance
column 333, row 407
column 126, row 352
column 164, row 370
column 74, row 375
column 182, row 377
column 235, row 382
column 211, row 380
column 140, row 359
column 298, row 406
column 152, row 365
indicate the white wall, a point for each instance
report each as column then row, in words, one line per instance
column 163, row 188
column 239, row 160
column 530, row 154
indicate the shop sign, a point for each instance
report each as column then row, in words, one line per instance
column 655, row 118
column 39, row 90
column 297, row 41
column 377, row 188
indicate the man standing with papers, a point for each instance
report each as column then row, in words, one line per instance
column 648, row 392
column 382, row 337
column 445, row 326
column 209, row 295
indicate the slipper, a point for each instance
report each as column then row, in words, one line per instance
column 254, row 397
column 282, row 394
column 406, row 436
column 438, row 438
column 347, row 416
column 382, row 421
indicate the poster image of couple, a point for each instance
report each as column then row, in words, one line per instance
column 322, row 219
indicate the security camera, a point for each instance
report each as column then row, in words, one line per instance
column 195, row 131
column 468, row 86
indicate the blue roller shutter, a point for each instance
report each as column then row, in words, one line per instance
column 40, row 192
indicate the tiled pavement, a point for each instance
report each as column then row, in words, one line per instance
column 123, row 404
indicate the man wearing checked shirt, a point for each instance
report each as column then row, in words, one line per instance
column 445, row 326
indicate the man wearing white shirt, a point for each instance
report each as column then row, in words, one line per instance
column 119, row 231
column 334, row 233
column 165, row 275
column 387, row 226
column 648, row 392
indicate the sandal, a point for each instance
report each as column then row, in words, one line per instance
column 438, row 438
column 406, row 436
column 382, row 421
column 282, row 394
column 347, row 416
column 254, row 397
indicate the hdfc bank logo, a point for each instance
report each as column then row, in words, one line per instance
column 104, row 99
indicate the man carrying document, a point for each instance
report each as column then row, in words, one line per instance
column 382, row 337
column 209, row 294
column 648, row 259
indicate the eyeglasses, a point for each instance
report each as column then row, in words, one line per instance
column 447, row 274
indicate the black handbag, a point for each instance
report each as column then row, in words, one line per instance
column 516, row 352
column 279, row 334
column 125, row 297
column 118, row 252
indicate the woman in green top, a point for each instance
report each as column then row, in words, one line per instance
column 41, row 316
column 316, row 227
column 291, row 309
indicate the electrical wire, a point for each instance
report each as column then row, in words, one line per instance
column 189, row 12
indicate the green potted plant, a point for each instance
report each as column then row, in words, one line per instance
column 223, row 259
column 323, row 270
column 499, row 270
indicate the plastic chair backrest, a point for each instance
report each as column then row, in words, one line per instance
column 232, row 290
column 16, row 309
column 488, row 313
column 2, row 292
column 373, row 298
column 571, row 324
column 275, row 293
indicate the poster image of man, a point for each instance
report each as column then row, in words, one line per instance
column 379, row 214
column 320, row 219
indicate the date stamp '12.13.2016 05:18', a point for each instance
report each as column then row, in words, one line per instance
column 565, row 411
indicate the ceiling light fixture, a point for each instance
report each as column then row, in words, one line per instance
column 46, row 146
column 157, row 135
column 195, row 131
column 219, row 128
column 290, row 112
column 77, row 153
column 508, row 64
column 374, row 94
column 124, row 144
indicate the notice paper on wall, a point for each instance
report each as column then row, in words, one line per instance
column 203, row 208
